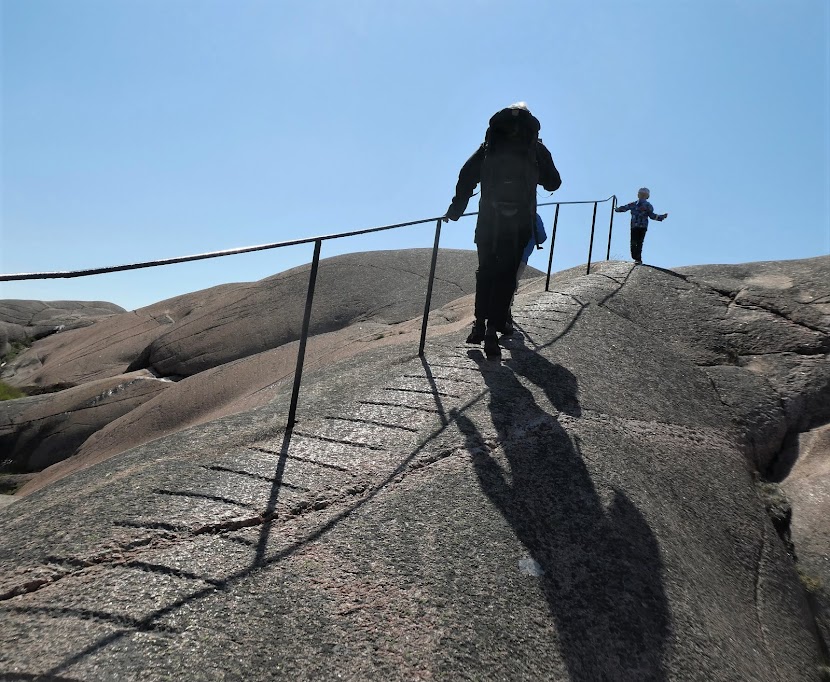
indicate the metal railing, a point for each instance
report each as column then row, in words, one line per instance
column 612, row 199
column 315, row 264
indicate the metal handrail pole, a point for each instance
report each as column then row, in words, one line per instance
column 298, row 373
column 552, row 243
column 611, row 227
column 429, row 287
column 591, row 245
column 201, row 256
column 568, row 203
column 66, row 274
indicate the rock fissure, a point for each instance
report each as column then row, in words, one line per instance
column 126, row 554
column 758, row 597
column 759, row 306
column 606, row 520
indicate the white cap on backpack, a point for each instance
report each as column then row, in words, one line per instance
column 644, row 190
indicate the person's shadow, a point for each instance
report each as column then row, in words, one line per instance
column 599, row 567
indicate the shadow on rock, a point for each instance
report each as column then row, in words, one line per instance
column 598, row 566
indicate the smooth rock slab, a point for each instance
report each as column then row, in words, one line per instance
column 39, row 431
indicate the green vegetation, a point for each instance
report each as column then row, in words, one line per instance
column 9, row 392
column 17, row 347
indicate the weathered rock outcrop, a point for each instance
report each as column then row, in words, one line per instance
column 368, row 297
column 189, row 334
column 239, row 386
column 585, row 510
column 805, row 470
column 24, row 321
column 38, row 431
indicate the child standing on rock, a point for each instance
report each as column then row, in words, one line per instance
column 641, row 211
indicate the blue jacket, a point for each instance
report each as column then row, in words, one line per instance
column 539, row 238
column 641, row 211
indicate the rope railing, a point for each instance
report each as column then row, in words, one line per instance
column 315, row 263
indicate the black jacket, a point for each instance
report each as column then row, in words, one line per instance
column 470, row 176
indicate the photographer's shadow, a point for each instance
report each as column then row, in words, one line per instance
column 600, row 567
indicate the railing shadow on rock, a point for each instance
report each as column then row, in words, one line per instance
column 315, row 263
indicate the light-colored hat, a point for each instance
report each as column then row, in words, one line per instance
column 644, row 190
column 519, row 105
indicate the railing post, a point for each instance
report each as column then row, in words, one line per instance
column 591, row 246
column 552, row 242
column 429, row 287
column 611, row 227
column 298, row 373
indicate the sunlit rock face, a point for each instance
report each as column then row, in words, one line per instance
column 238, row 339
column 22, row 321
column 588, row 508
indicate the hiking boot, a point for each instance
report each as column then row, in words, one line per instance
column 477, row 334
column 638, row 262
column 507, row 327
column 491, row 347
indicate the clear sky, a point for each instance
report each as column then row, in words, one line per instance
column 134, row 130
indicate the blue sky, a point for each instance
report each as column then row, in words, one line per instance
column 134, row 130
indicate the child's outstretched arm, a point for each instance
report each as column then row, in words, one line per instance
column 656, row 216
column 623, row 209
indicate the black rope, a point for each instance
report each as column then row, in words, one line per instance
column 67, row 274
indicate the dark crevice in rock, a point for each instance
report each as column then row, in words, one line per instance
column 780, row 512
column 801, row 351
column 758, row 594
column 786, row 458
column 141, row 361
column 733, row 296
column 45, row 390
column 204, row 496
column 164, row 535
column 153, row 525
column 717, row 393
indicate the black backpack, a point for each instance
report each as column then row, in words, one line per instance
column 510, row 172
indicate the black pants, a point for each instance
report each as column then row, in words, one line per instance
column 638, row 236
column 500, row 243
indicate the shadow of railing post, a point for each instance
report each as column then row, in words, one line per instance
column 429, row 287
column 309, row 299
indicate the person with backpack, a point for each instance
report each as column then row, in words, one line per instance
column 510, row 163
column 641, row 211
